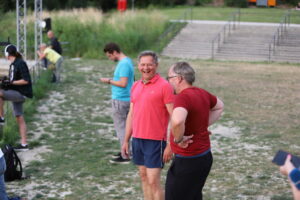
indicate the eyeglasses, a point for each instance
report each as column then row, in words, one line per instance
column 169, row 77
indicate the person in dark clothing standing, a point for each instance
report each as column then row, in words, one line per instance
column 16, row 89
column 54, row 43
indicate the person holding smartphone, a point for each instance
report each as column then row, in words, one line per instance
column 293, row 174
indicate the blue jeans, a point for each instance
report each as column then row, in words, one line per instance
column 3, row 195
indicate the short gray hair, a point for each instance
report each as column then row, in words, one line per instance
column 43, row 45
column 185, row 70
column 148, row 53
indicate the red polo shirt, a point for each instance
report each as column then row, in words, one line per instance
column 198, row 103
column 150, row 115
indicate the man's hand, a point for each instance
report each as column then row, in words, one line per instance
column 105, row 80
column 125, row 150
column 288, row 166
column 168, row 154
column 186, row 141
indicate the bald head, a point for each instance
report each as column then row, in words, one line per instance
column 50, row 34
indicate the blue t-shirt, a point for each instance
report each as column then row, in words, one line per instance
column 124, row 68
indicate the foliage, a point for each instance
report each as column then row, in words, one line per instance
column 237, row 3
column 87, row 31
column 105, row 5
column 203, row 2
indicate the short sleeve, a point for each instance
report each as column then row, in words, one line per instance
column 181, row 100
column 125, row 70
column 168, row 94
column 212, row 100
column 132, row 94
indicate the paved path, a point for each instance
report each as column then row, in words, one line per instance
column 225, row 22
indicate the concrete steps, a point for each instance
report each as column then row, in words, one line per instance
column 245, row 43
column 193, row 41
column 288, row 49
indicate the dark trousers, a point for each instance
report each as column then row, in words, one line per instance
column 186, row 177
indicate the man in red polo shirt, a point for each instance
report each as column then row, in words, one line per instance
column 194, row 110
column 147, row 123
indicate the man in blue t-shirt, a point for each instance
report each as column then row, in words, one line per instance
column 120, row 88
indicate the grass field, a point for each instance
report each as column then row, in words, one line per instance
column 87, row 30
column 73, row 133
column 273, row 15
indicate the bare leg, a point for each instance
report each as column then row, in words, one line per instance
column 153, row 176
column 145, row 184
column 22, row 129
column 1, row 104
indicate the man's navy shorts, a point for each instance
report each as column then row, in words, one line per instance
column 148, row 153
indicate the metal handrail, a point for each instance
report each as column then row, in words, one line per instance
column 220, row 37
column 279, row 33
column 187, row 14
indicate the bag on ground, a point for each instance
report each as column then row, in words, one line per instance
column 13, row 164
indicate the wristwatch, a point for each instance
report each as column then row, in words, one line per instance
column 177, row 142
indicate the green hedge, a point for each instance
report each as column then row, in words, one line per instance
column 88, row 31
column 236, row 3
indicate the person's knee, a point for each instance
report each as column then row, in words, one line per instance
column 20, row 119
column 143, row 176
column 154, row 183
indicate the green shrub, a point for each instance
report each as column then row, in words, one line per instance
column 203, row 2
column 237, row 3
column 88, row 30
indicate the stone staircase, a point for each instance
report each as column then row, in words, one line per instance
column 289, row 47
column 246, row 43
column 193, row 41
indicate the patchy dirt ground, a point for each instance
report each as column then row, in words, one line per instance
column 75, row 138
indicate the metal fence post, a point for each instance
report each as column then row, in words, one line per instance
column 21, row 27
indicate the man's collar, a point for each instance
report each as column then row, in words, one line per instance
column 153, row 80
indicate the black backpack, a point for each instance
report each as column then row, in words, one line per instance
column 13, row 164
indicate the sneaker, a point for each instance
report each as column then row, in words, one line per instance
column 117, row 155
column 120, row 160
column 20, row 147
column 2, row 120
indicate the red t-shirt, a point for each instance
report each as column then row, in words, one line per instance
column 150, row 115
column 198, row 103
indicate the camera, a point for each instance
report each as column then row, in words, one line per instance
column 5, row 83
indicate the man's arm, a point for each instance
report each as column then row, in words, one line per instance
column 121, row 83
column 168, row 152
column 41, row 55
column 19, row 82
column 128, row 132
column 286, row 169
column 178, row 122
column 215, row 112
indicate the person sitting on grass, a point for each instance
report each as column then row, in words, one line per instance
column 17, row 88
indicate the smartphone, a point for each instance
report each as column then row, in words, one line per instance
column 280, row 158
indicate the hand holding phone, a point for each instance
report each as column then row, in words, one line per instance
column 280, row 158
